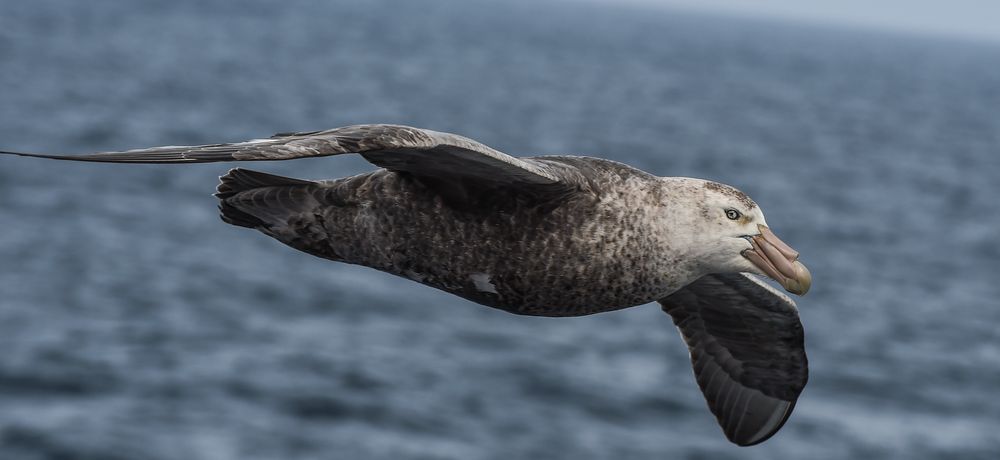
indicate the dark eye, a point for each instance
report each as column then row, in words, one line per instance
column 733, row 214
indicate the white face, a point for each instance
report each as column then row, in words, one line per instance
column 719, row 220
column 724, row 231
column 728, row 218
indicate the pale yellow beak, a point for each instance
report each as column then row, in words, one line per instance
column 779, row 261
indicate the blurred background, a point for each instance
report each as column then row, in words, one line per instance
column 136, row 325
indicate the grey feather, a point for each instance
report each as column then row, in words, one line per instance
column 546, row 236
column 394, row 147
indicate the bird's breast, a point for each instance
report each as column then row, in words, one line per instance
column 583, row 256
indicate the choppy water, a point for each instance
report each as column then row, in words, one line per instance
column 135, row 325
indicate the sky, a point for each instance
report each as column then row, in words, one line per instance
column 976, row 19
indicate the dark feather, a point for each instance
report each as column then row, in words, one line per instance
column 747, row 350
column 460, row 165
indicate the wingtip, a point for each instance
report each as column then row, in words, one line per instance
column 46, row 156
column 768, row 431
column 31, row 155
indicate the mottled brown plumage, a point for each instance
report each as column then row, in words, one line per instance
column 547, row 236
column 585, row 253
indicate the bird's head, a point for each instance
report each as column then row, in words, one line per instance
column 732, row 236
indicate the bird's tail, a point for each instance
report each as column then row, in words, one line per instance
column 239, row 180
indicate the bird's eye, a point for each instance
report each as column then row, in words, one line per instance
column 733, row 214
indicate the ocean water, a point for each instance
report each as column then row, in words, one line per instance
column 135, row 325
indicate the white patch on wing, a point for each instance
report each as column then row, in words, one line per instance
column 482, row 283
column 771, row 289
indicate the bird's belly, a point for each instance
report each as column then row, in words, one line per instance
column 581, row 257
column 544, row 287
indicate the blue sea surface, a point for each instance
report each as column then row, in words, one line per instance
column 136, row 325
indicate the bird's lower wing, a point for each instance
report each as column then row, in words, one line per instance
column 746, row 345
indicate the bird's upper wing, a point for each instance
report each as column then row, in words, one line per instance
column 399, row 148
column 746, row 346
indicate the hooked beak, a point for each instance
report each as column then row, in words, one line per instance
column 778, row 261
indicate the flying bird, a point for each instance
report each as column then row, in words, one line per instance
column 545, row 236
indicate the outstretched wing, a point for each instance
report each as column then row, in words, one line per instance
column 398, row 148
column 747, row 349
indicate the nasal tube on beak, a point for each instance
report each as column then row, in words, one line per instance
column 778, row 261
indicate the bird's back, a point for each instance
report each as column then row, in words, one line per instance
column 581, row 254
